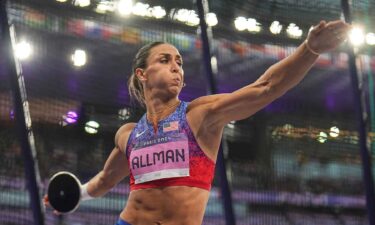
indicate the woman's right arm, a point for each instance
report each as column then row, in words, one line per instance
column 116, row 167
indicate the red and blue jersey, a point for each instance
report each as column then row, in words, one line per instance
column 170, row 157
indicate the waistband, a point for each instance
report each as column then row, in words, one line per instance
column 122, row 222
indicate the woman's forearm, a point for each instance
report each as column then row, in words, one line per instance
column 99, row 185
column 290, row 71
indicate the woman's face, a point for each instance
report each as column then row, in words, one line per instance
column 164, row 73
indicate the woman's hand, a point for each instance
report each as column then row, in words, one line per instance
column 325, row 36
column 46, row 204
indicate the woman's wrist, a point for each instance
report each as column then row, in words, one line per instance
column 84, row 193
column 310, row 49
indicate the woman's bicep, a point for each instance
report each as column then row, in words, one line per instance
column 115, row 169
column 242, row 103
column 116, row 166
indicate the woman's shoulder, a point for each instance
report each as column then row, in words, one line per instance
column 203, row 102
column 123, row 133
column 125, row 129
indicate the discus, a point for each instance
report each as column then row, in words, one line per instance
column 64, row 192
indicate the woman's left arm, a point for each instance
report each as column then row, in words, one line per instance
column 278, row 79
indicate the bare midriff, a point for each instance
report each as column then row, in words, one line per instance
column 177, row 205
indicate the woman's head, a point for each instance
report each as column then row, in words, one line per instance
column 140, row 61
column 158, row 64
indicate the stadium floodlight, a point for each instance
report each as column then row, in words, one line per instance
column 288, row 128
column 211, row 19
column 141, row 9
column 193, row 20
column 356, row 36
column 92, row 127
column 188, row 17
column 79, row 58
column 240, row 23
column 182, row 15
column 70, row 117
column 322, row 137
column 23, row 50
column 276, row 27
column 125, row 7
column 370, row 39
column 123, row 114
column 158, row 12
column 61, row 0
column 82, row 3
column 334, row 132
column 105, row 6
column 231, row 124
column 294, row 31
column 253, row 25
column 214, row 64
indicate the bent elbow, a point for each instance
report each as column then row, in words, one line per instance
column 105, row 181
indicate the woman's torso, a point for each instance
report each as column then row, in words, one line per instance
column 175, row 205
column 183, row 199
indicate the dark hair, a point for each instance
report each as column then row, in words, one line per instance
column 140, row 61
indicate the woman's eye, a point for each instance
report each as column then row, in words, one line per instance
column 164, row 60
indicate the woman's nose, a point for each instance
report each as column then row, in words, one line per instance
column 175, row 68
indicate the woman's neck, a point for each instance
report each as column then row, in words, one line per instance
column 158, row 110
column 157, row 106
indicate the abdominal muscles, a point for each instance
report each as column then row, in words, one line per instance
column 177, row 205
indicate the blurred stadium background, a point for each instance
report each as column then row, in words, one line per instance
column 296, row 162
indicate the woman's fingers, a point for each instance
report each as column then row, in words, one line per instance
column 319, row 27
column 45, row 200
column 338, row 29
column 327, row 36
column 337, row 24
column 46, row 203
column 57, row 213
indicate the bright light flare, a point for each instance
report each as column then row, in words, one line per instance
column 322, row 137
column 240, row 23
column 158, row 12
column 188, row 17
column 276, row 27
column 125, row 7
column 124, row 114
column 294, row 31
column 105, row 6
column 334, row 132
column 231, row 124
column 79, row 58
column 82, row 3
column 92, row 127
column 356, row 36
column 370, row 39
column 253, row 25
column 141, row 9
column 70, row 117
column 23, row 50
column 211, row 19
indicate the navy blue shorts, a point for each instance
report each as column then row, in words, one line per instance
column 122, row 222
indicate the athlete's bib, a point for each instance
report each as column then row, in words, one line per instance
column 160, row 157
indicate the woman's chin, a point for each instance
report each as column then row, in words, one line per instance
column 175, row 90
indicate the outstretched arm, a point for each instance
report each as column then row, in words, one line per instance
column 278, row 79
column 116, row 167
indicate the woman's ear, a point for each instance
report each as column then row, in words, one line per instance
column 140, row 74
